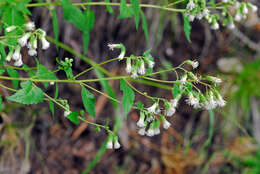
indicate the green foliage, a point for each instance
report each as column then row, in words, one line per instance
column 109, row 8
column 89, row 101
column 13, row 73
column 74, row 117
column 125, row 10
column 55, row 24
column 29, row 94
column 2, row 70
column 176, row 90
column 128, row 96
column 140, row 105
column 45, row 74
column 187, row 27
column 144, row 25
column 1, row 102
column 89, row 18
column 136, row 11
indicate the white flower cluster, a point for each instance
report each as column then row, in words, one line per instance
column 242, row 10
column 29, row 39
column 196, row 10
column 113, row 140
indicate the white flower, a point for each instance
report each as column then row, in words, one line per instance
column 9, row 56
column 112, row 46
column 23, row 40
column 174, row 102
column 215, row 26
column 195, row 64
column 66, row 113
column 225, row 1
column 191, row 18
column 199, row 16
column 238, row 17
column 30, row 26
column 215, row 79
column 122, row 55
column 220, row 101
column 141, row 131
column 192, row 100
column 166, row 124
column 17, row 55
column 197, row 106
column 157, row 131
column 150, row 119
column 150, row 132
column 169, row 112
column 183, row 79
column 128, row 68
column 134, row 74
column 141, row 69
column 109, row 144
column 205, row 12
column 32, row 52
column 245, row 10
column 151, row 64
column 52, row 83
column 45, row 43
column 254, row 8
column 211, row 103
column 10, row 28
column 121, row 46
column 231, row 25
column 153, row 109
column 117, row 145
column 237, row 5
column 141, row 122
column 18, row 62
column 190, row 5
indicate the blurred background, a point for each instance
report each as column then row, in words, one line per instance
column 224, row 141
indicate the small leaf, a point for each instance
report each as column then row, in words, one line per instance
column 13, row 73
column 55, row 24
column 89, row 101
column 74, row 117
column 29, row 94
column 187, row 27
column 45, row 74
column 144, row 26
column 125, row 11
column 140, row 105
column 128, row 97
column 176, row 90
column 136, row 11
column 109, row 8
column 51, row 107
column 89, row 18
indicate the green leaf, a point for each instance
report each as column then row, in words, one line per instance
column 1, row 101
column 45, row 74
column 2, row 53
column 89, row 101
column 109, row 90
column 144, row 25
column 136, row 11
column 109, row 8
column 89, row 23
column 140, row 105
column 55, row 24
column 176, row 90
column 51, row 107
column 2, row 70
column 128, row 96
column 74, row 117
column 125, row 11
column 13, row 73
column 29, row 94
column 187, row 27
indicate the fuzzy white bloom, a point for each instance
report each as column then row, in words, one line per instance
column 191, row 17
column 10, row 28
column 183, row 79
column 117, row 145
column 174, row 102
column 192, row 100
column 141, row 122
column 157, row 131
column 169, row 112
column 245, row 10
column 197, row 106
column 195, row 64
column 23, row 40
column 17, row 55
column 150, row 119
column 45, row 43
column 153, row 109
column 211, row 103
column 30, row 26
column 254, row 8
column 112, row 46
column 32, row 52
column 18, row 62
column 128, row 68
column 134, row 74
column 215, row 26
column 205, row 12
column 66, row 113
column 121, row 46
column 142, row 131
column 215, row 79
column 238, row 17
column 141, row 69
column 190, row 5
column 231, row 25
column 166, row 124
column 109, row 144
column 220, row 101
column 9, row 56
column 199, row 16
column 151, row 64
column 150, row 132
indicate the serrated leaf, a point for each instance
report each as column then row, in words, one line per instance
column 55, row 24
column 176, row 90
column 128, row 96
column 109, row 8
column 13, row 73
column 89, row 101
column 28, row 94
column 45, row 74
column 105, row 85
column 136, row 11
column 186, row 27
column 74, row 117
column 144, row 25
column 125, row 11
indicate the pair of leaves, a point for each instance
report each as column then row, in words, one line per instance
column 28, row 94
column 128, row 96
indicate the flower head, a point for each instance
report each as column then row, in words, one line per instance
column 166, row 124
column 142, row 131
column 190, row 5
column 153, row 109
column 238, row 17
column 18, row 62
column 141, row 122
column 150, row 132
column 32, row 52
column 128, row 68
column 254, row 8
column 119, row 46
column 192, row 100
column 23, row 40
column 30, row 26
column 9, row 56
column 66, row 113
column 45, row 43
column 17, row 55
column 10, row 28
column 231, row 25
column 109, row 144
column 170, row 108
column 141, row 69
column 215, row 26
column 116, row 143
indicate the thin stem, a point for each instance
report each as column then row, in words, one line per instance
column 174, row 3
